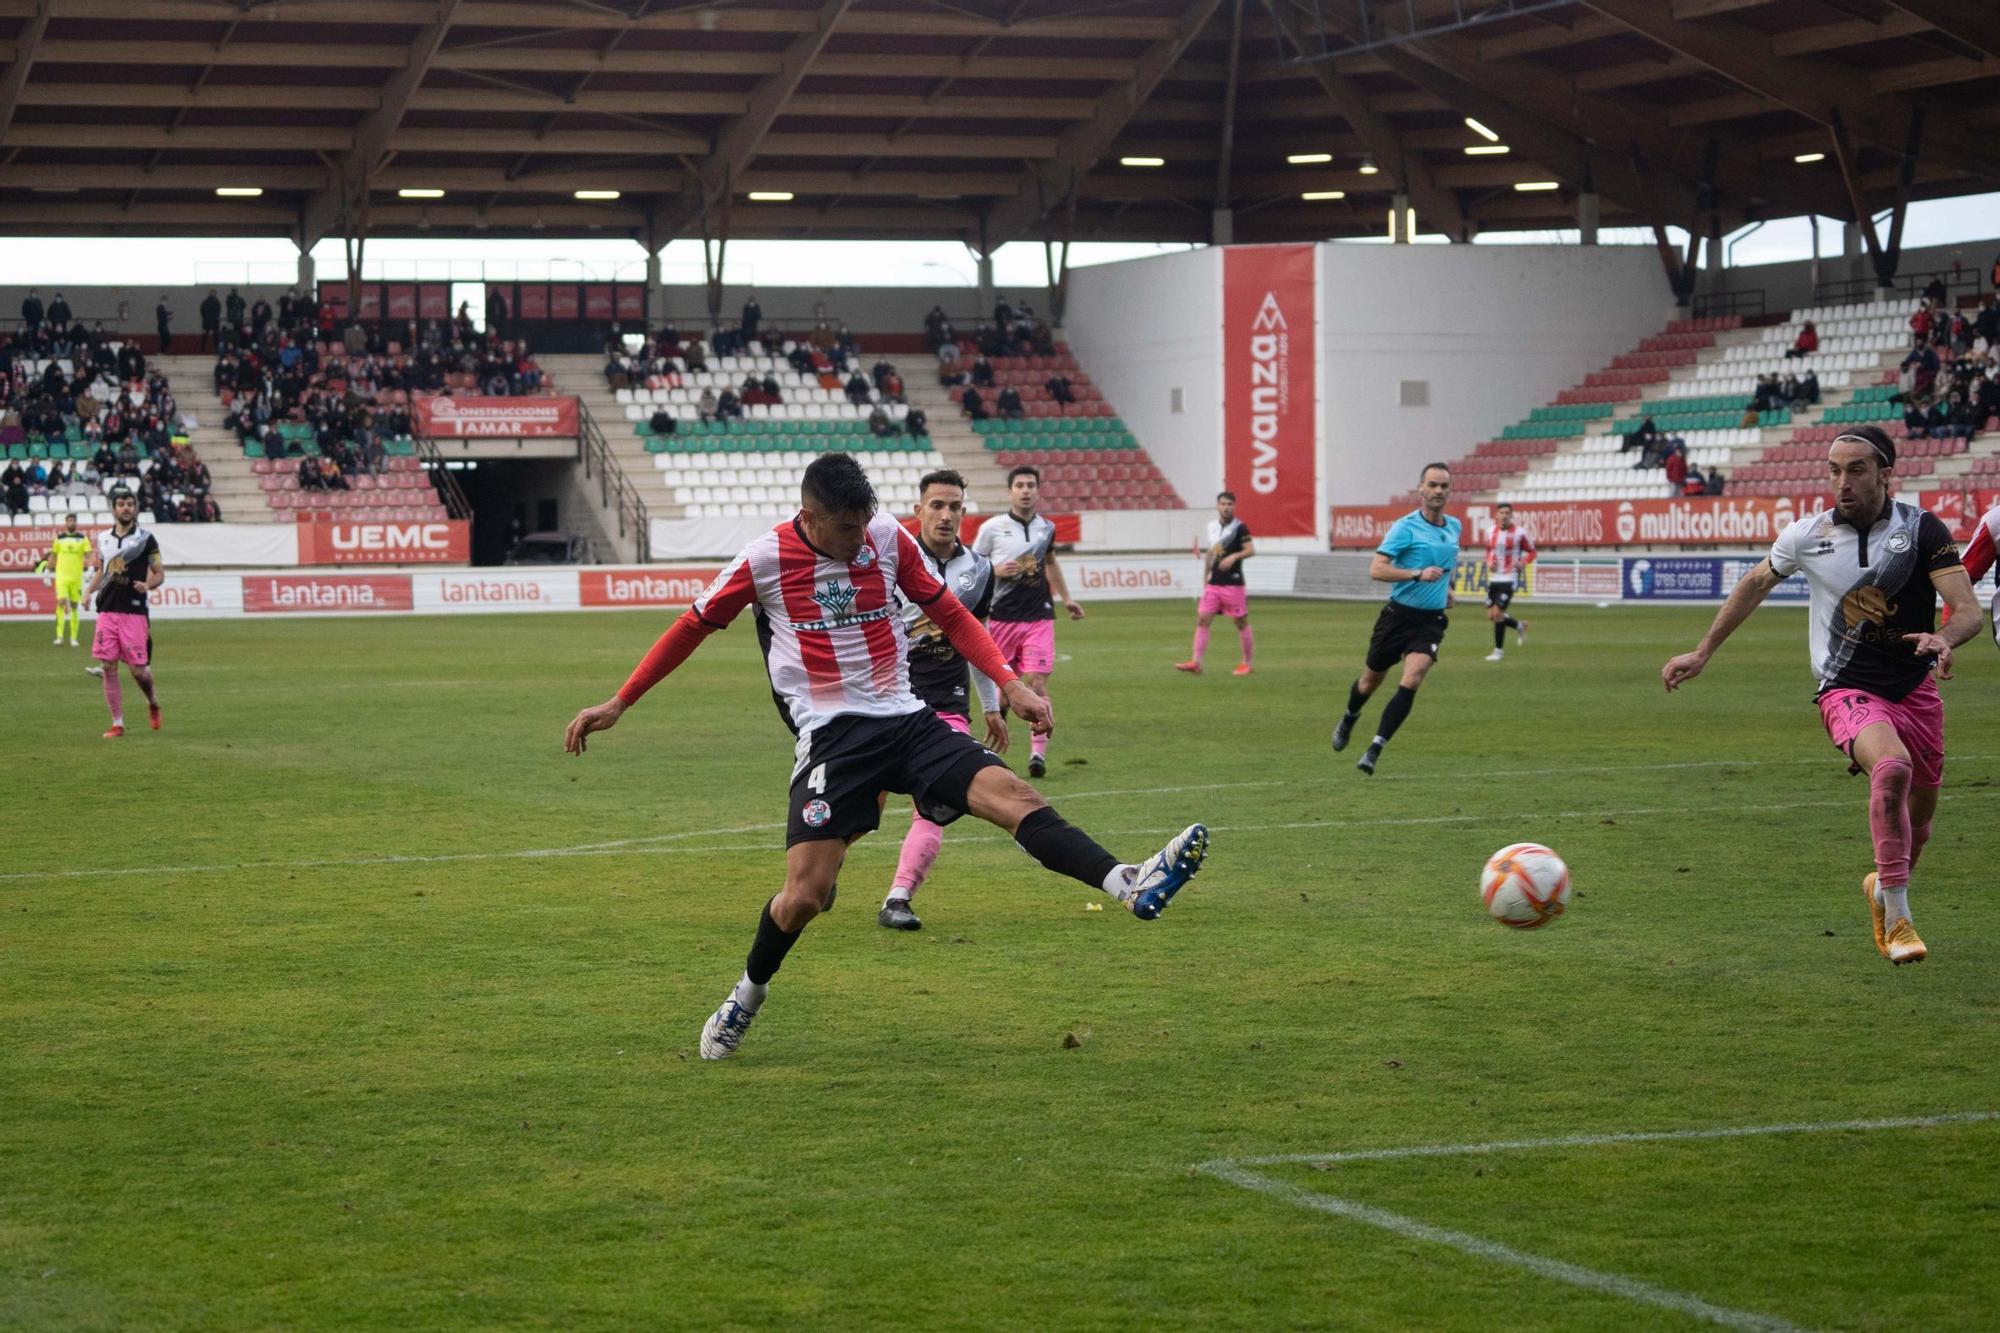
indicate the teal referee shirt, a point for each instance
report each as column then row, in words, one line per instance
column 1414, row 542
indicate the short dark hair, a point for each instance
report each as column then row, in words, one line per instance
column 1875, row 438
column 835, row 484
column 1023, row 470
column 1429, row 467
column 1502, row 505
column 944, row 476
column 122, row 493
column 1226, row 495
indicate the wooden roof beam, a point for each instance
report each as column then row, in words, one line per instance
column 1974, row 22
column 26, row 46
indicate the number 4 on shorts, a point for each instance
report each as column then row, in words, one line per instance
column 816, row 780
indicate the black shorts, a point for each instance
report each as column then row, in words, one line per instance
column 1401, row 630
column 845, row 766
column 1500, row 593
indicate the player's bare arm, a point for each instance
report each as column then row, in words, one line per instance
column 1384, row 570
column 1233, row 560
column 1030, row 707
column 1060, row 587
column 156, row 574
column 1962, row 608
column 1748, row 594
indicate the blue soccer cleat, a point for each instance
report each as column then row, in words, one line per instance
column 1161, row 877
column 723, row 1032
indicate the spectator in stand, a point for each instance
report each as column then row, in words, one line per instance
column 880, row 374
column 728, row 406
column 1642, row 439
column 1677, row 470
column 1003, row 314
column 1961, row 335
column 330, row 475
column 32, row 313
column 1916, row 420
column 973, row 405
column 880, row 425
column 1986, row 324
column 1920, row 372
column 1920, row 324
column 1060, row 388
column 163, row 318
column 1806, row 343
column 707, row 405
column 1694, row 483
column 982, row 372
column 211, row 321
column 892, row 390
column 936, row 326
column 1952, row 418
column 1042, row 339
column 14, row 486
column 1807, row 391
column 695, row 353
column 662, row 422
column 1716, row 481
column 496, row 311
column 753, row 316
column 1009, row 404
column 857, row 388
column 60, row 315
column 917, row 424
column 1934, row 290
column 207, row 510
column 233, row 309
column 260, row 316
column 949, row 373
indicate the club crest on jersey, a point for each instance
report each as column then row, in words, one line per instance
column 816, row 813
column 1899, row 542
column 837, row 598
column 865, row 558
column 965, row 582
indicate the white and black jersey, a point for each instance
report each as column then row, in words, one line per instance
column 1226, row 539
column 1871, row 585
column 127, row 560
column 1025, row 596
column 938, row 670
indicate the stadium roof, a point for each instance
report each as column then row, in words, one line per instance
column 983, row 120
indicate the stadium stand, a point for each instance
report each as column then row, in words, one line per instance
column 1729, row 395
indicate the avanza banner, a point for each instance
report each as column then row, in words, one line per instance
column 338, row 543
column 464, row 418
column 1270, row 386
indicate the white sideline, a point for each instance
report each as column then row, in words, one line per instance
column 652, row 845
column 1235, row 1171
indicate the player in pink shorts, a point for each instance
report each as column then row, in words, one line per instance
column 1223, row 594
column 1875, row 568
column 128, row 568
column 1021, row 545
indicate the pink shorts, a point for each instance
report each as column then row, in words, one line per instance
column 1225, row 601
column 1918, row 719
column 957, row 722
column 122, row 637
column 1028, row 645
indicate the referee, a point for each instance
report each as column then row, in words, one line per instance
column 1416, row 559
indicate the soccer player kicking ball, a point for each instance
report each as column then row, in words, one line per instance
column 1510, row 551
column 128, row 568
column 938, row 670
column 1229, row 545
column 68, row 554
column 1417, row 558
column 1021, row 545
column 1874, row 566
column 825, row 581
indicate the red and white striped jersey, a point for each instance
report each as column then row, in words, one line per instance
column 1508, row 551
column 1980, row 551
column 837, row 644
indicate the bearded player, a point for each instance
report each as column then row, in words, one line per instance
column 938, row 670
column 1021, row 545
column 1875, row 567
column 1508, row 554
column 128, row 568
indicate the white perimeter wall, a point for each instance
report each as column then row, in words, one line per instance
column 1494, row 330
column 1144, row 328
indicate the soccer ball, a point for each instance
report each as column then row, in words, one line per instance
column 1524, row 885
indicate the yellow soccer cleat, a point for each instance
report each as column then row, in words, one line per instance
column 1904, row 946
column 1875, row 911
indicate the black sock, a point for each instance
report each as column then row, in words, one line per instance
column 1499, row 634
column 768, row 950
column 1064, row 848
column 1393, row 714
column 1355, row 698
column 1508, row 622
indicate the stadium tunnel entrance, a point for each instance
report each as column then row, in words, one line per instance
column 513, row 498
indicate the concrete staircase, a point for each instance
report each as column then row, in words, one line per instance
column 192, row 379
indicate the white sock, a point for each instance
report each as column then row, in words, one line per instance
column 1895, row 903
column 1379, row 742
column 897, row 895
column 751, row 995
column 1119, row 882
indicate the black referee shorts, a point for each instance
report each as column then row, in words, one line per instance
column 1401, row 630
column 845, row 766
column 1500, row 593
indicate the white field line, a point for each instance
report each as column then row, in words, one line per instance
column 1235, row 1171
column 674, row 843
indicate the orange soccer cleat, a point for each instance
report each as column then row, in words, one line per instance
column 1192, row 667
column 1904, row 945
column 1242, row 669
column 153, row 715
column 1875, row 912
column 117, row 730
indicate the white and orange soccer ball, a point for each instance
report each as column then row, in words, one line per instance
column 1524, row 885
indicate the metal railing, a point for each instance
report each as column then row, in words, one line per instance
column 455, row 503
column 614, row 490
column 1749, row 301
column 1844, row 291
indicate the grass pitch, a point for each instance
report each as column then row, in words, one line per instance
column 349, row 1001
